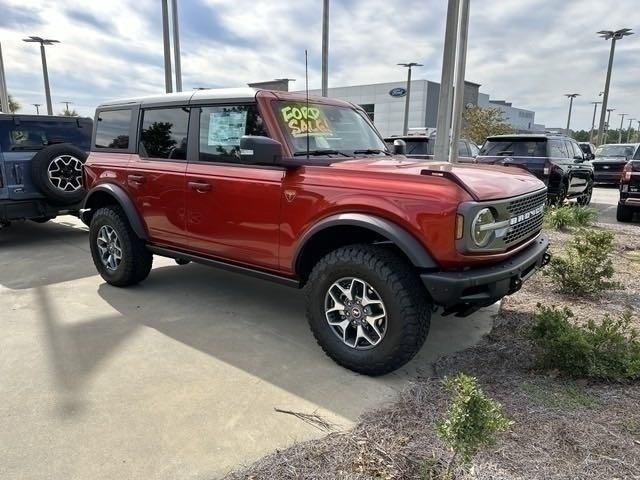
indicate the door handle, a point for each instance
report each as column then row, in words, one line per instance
column 136, row 179
column 200, row 187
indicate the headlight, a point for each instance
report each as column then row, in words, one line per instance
column 479, row 232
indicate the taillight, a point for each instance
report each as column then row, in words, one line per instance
column 547, row 168
column 626, row 172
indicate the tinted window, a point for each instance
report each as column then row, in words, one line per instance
column 164, row 133
column 475, row 151
column 418, row 146
column 615, row 151
column 370, row 109
column 585, row 147
column 221, row 129
column 112, row 129
column 637, row 155
column 463, row 151
column 557, row 149
column 37, row 134
column 514, row 148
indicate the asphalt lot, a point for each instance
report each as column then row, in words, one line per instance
column 175, row 378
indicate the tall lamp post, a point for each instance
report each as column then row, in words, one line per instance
column 629, row 130
column 621, row 115
column 593, row 122
column 570, row 96
column 405, row 128
column 607, row 124
column 45, row 73
column 614, row 36
column 325, row 48
column 4, row 94
column 37, row 105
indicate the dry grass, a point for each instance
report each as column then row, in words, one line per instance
column 562, row 430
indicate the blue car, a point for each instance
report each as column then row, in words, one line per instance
column 41, row 162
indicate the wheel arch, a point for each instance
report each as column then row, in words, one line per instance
column 108, row 194
column 350, row 228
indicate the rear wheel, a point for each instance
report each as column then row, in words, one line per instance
column 119, row 255
column 624, row 213
column 585, row 199
column 367, row 308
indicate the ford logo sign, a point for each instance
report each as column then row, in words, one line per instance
column 398, row 92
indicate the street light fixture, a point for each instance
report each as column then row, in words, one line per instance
column 45, row 73
column 614, row 36
column 66, row 105
column 37, row 105
column 405, row 129
column 607, row 124
column 570, row 96
column 593, row 122
column 622, row 115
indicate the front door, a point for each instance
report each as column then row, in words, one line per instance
column 233, row 209
column 156, row 175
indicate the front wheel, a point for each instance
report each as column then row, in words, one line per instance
column 119, row 255
column 585, row 199
column 367, row 308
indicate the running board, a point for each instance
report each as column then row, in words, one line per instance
column 231, row 267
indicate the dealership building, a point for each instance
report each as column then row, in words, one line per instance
column 385, row 104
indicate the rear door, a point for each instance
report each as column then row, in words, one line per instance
column 156, row 173
column 233, row 208
column 580, row 171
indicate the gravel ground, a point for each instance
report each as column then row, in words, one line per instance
column 562, row 429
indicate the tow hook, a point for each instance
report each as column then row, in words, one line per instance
column 546, row 259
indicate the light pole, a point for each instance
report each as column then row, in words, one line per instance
column 608, row 123
column 325, row 48
column 45, row 73
column 4, row 94
column 593, row 122
column 629, row 130
column 405, row 129
column 66, row 105
column 176, row 45
column 614, row 36
column 37, row 105
column 570, row 96
column 621, row 115
column 168, row 82
column 458, row 91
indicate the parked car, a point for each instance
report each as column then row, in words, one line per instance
column 307, row 194
column 41, row 160
column 589, row 150
column 629, row 202
column 611, row 159
column 556, row 160
column 421, row 146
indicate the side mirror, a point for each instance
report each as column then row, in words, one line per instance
column 399, row 147
column 578, row 159
column 260, row 150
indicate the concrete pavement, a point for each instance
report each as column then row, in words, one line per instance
column 175, row 378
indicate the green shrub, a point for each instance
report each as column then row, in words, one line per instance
column 587, row 266
column 607, row 351
column 471, row 421
column 561, row 218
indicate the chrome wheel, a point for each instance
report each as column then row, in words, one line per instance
column 355, row 312
column 65, row 173
column 109, row 248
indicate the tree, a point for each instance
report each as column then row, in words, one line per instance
column 581, row 136
column 69, row 113
column 14, row 105
column 480, row 123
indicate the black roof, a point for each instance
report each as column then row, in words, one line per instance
column 42, row 118
column 532, row 136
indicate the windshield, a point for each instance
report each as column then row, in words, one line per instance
column 615, row 151
column 332, row 129
column 514, row 148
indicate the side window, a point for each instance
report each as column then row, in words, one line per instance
column 637, row 155
column 112, row 129
column 557, row 149
column 570, row 152
column 577, row 151
column 27, row 137
column 475, row 151
column 463, row 151
column 164, row 133
column 221, row 128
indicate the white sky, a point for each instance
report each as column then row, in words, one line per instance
column 529, row 52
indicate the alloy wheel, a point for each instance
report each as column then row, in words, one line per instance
column 109, row 247
column 65, row 173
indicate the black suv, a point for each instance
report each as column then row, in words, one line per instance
column 421, row 147
column 556, row 160
column 41, row 159
column 611, row 158
column 629, row 190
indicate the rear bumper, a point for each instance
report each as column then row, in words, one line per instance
column 463, row 293
column 11, row 210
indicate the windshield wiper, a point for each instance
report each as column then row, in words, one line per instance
column 371, row 151
column 320, row 152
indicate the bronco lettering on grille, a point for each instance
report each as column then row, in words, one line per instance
column 526, row 216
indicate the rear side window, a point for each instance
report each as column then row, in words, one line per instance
column 112, row 129
column 221, row 128
column 164, row 133
column 637, row 155
column 37, row 134
column 27, row 137
column 557, row 149
column 514, row 148
column 419, row 147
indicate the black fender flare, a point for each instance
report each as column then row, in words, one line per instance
column 399, row 236
column 125, row 202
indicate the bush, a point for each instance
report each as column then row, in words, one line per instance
column 607, row 351
column 587, row 266
column 561, row 218
column 471, row 421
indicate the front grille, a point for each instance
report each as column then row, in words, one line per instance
column 608, row 167
column 527, row 215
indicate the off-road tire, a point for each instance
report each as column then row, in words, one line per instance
column 40, row 176
column 559, row 198
column 136, row 259
column 405, row 299
column 585, row 199
column 624, row 213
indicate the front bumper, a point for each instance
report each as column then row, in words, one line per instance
column 465, row 292
column 603, row 176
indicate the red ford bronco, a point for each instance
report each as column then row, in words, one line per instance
column 305, row 192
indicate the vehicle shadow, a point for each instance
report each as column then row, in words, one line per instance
column 33, row 255
column 260, row 328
